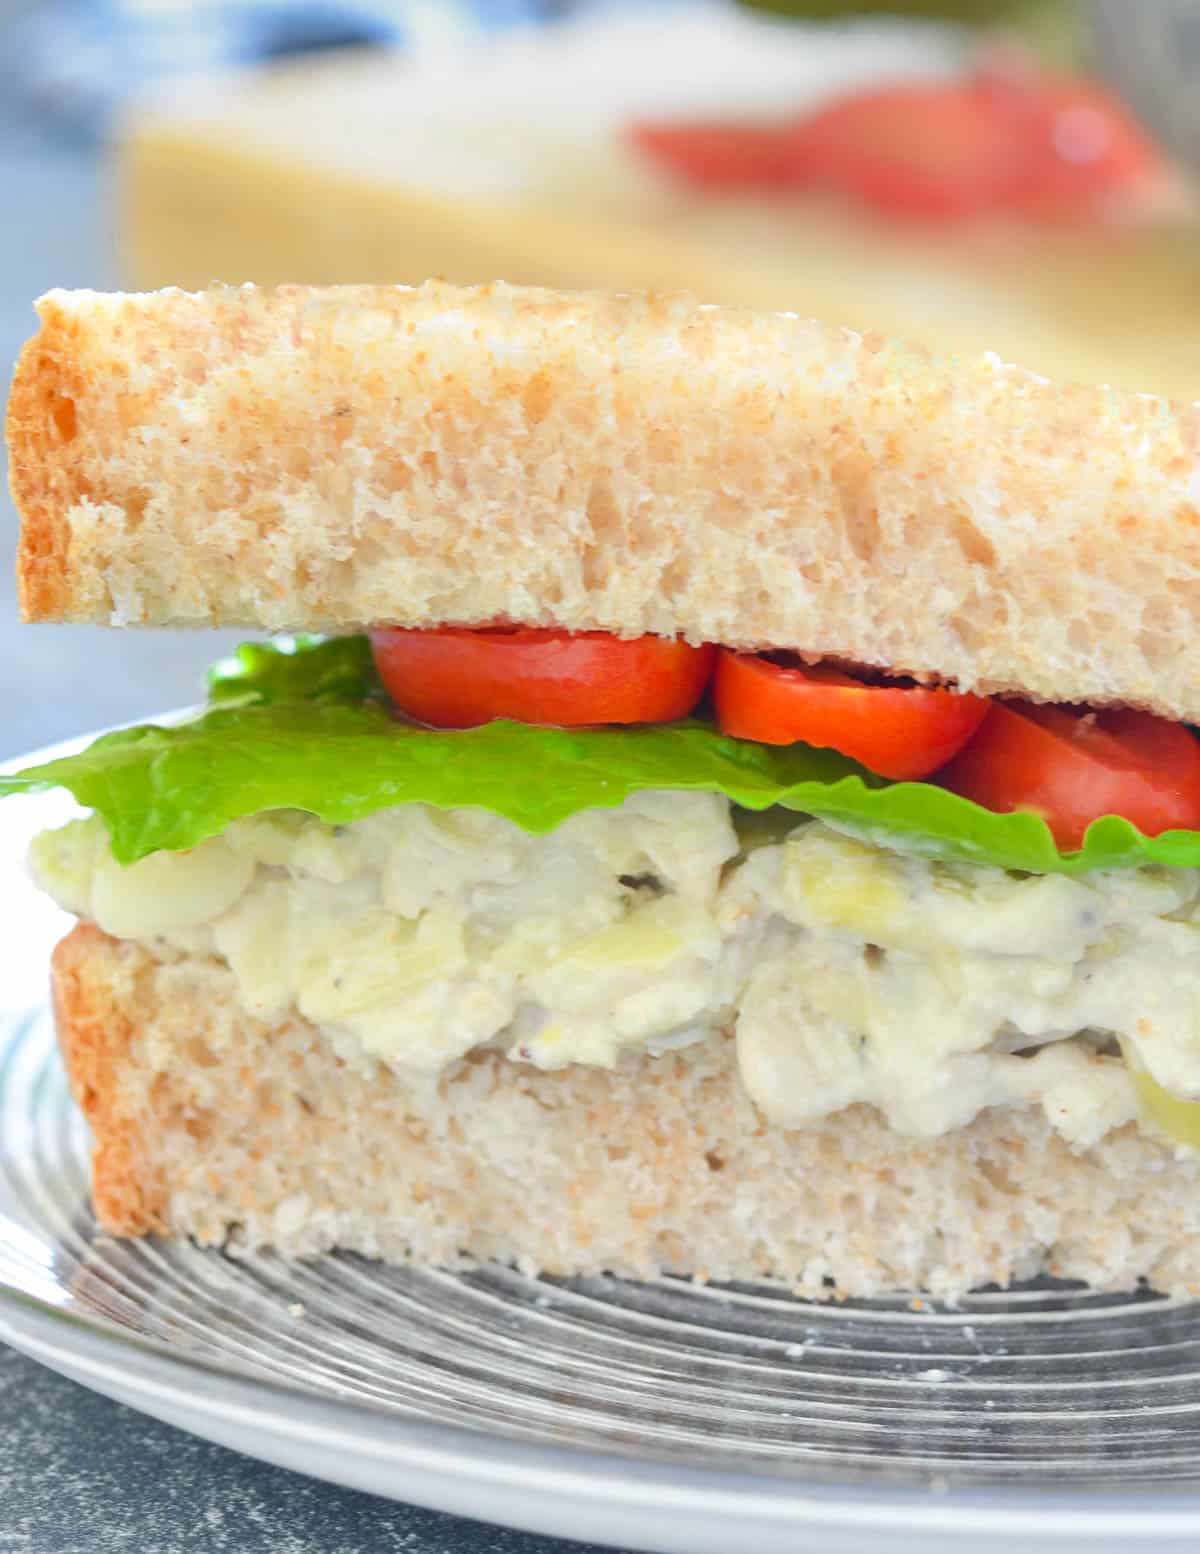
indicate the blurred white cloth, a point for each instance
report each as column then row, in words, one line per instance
column 73, row 62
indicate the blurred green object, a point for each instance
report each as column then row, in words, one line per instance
column 1051, row 27
column 955, row 10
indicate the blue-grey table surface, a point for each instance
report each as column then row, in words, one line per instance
column 80, row 1474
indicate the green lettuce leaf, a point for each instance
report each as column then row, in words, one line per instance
column 303, row 725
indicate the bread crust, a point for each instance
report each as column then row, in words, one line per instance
column 340, row 457
column 44, row 474
column 97, row 1038
column 214, row 1124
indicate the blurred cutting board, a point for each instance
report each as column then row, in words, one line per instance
column 509, row 162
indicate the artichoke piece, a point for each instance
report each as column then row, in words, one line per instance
column 1179, row 1119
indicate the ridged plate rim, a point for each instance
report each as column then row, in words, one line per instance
column 585, row 1495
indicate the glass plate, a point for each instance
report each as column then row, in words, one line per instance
column 659, row 1416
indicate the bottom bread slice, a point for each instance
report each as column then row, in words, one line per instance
column 211, row 1123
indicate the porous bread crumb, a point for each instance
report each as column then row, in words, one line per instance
column 329, row 458
column 231, row 1128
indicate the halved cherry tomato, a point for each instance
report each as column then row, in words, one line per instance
column 912, row 150
column 720, row 156
column 1003, row 139
column 904, row 732
column 1082, row 146
column 909, row 150
column 458, row 677
column 1072, row 766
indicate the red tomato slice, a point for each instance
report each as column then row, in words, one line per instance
column 909, row 150
column 719, row 156
column 1082, row 146
column 1006, row 139
column 1072, row 766
column 912, row 150
column 458, row 677
column 904, row 732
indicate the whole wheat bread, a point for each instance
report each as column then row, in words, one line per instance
column 212, row 1123
column 301, row 458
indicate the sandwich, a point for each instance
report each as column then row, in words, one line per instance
column 719, row 798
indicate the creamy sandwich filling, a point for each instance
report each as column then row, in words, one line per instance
column 843, row 970
column 1015, row 928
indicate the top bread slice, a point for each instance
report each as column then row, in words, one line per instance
column 303, row 458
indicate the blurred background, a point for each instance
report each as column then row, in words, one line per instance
column 959, row 171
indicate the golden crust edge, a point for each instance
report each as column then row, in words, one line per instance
column 95, row 1037
column 45, row 481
